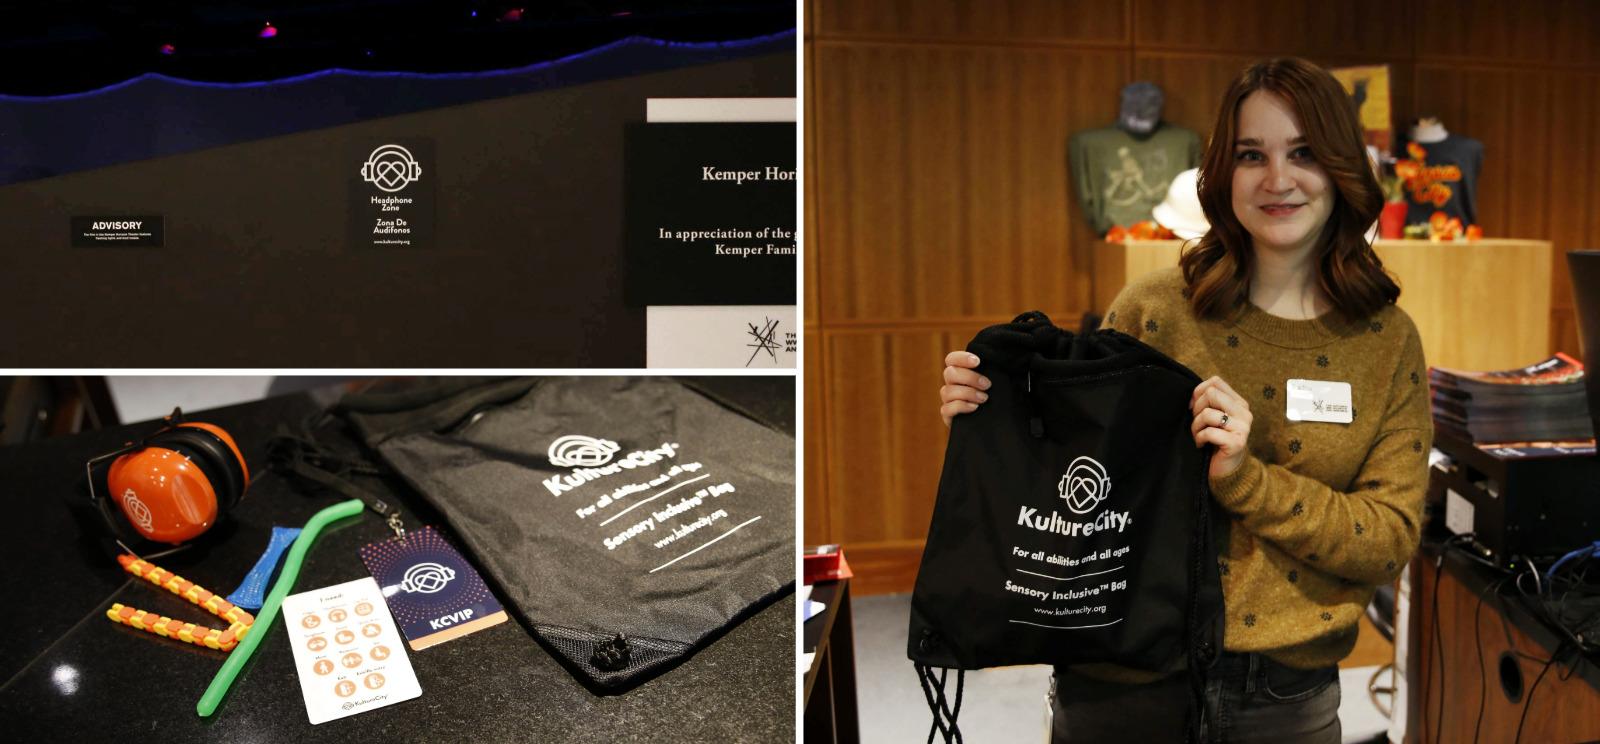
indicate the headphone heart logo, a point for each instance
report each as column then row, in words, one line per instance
column 391, row 175
column 427, row 578
column 1085, row 485
column 391, row 168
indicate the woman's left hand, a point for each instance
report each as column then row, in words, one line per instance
column 1221, row 417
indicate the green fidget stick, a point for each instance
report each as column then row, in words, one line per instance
column 269, row 611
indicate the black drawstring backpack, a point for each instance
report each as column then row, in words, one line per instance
column 1073, row 522
column 626, row 521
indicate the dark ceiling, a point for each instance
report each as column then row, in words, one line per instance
column 65, row 46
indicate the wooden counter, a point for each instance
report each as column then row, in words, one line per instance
column 1474, row 657
column 1483, row 305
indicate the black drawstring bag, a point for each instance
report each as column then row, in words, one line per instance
column 1073, row 523
column 627, row 521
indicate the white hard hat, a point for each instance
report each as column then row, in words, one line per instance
column 1181, row 212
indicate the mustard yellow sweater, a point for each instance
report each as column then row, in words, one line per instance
column 1321, row 513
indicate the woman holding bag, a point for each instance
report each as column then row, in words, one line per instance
column 1283, row 301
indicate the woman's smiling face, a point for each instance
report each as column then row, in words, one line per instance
column 1281, row 195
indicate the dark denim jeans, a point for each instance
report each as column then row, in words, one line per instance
column 1249, row 698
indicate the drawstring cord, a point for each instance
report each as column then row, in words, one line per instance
column 933, row 691
column 297, row 452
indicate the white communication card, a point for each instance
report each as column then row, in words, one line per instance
column 347, row 651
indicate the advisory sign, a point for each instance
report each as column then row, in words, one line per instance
column 711, row 214
column 95, row 231
column 392, row 194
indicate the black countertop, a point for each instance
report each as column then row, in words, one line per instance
column 71, row 674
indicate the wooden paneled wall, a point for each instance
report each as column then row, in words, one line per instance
column 938, row 198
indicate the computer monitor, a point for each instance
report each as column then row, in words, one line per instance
column 1585, row 270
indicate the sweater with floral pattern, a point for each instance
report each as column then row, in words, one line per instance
column 1321, row 513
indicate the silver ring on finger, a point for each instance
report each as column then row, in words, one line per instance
column 1224, row 420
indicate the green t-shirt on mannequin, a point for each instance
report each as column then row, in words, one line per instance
column 1122, row 172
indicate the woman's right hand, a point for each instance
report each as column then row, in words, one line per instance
column 963, row 388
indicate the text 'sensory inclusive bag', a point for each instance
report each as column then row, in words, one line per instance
column 627, row 520
column 1073, row 523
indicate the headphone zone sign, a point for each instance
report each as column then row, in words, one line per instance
column 392, row 194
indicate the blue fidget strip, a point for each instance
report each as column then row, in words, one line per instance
column 252, row 591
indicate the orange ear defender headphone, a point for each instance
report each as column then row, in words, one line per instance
column 172, row 486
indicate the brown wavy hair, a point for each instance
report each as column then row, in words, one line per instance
column 1217, row 269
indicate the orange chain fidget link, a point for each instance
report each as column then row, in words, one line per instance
column 222, row 640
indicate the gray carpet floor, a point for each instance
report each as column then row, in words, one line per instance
column 999, row 705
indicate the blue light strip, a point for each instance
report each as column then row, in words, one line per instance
column 483, row 74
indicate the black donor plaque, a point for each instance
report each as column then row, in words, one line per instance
column 710, row 214
column 392, row 194
column 96, row 231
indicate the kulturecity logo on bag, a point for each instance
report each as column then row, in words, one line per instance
column 578, row 451
column 1073, row 584
column 1085, row 485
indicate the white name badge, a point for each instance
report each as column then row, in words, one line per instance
column 1319, row 400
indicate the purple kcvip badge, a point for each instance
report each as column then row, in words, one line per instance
column 434, row 594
